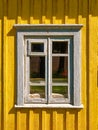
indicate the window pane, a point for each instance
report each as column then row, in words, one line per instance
column 37, row 69
column 60, row 47
column 37, row 47
column 37, row 91
column 60, row 69
column 60, row 91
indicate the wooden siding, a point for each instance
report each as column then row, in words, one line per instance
column 49, row 12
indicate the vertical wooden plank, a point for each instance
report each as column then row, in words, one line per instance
column 72, row 11
column 46, row 119
column 19, row 11
column 37, row 119
column 10, row 86
column 48, row 12
column 60, row 122
column 82, row 19
column 4, row 64
column 9, row 82
column 31, row 120
column 60, row 12
column 0, row 75
column 43, row 120
column 54, row 8
column 43, row 11
column 37, row 11
column 1, row 17
column 66, row 10
column 54, row 125
column 24, row 119
column 25, row 8
column 31, row 11
column 93, row 21
column 18, row 122
column 70, row 120
column 92, row 72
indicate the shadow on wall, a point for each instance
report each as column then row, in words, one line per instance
column 51, row 11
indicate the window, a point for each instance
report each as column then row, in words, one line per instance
column 48, row 65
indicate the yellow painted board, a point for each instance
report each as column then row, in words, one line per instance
column 4, row 81
column 10, row 73
column 48, row 120
column 31, row 120
column 37, row 12
column 60, row 119
column 60, row 12
column 31, row 11
column 11, row 9
column 8, row 65
column 1, row 18
column 19, row 11
column 83, row 19
column 23, row 119
column 43, row 14
column 54, row 120
column 37, row 119
column 92, row 71
column 93, row 29
column 0, row 75
column 48, row 13
column 70, row 120
column 72, row 11
column 25, row 11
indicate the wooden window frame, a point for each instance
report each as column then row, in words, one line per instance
column 32, row 31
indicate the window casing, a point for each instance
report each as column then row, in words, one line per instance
column 42, row 84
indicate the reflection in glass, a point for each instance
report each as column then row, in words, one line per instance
column 60, row 91
column 60, row 47
column 37, row 69
column 37, row 91
column 60, row 69
column 37, row 47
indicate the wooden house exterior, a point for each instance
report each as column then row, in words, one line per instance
column 49, row 12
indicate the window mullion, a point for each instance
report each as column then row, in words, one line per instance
column 49, row 76
column 68, row 70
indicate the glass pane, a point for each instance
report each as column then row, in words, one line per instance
column 37, row 69
column 37, row 47
column 60, row 69
column 37, row 91
column 60, row 91
column 60, row 47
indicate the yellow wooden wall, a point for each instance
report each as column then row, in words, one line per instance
column 49, row 12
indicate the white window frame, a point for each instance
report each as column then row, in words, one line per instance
column 30, row 32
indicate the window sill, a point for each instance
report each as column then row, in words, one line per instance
column 49, row 106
